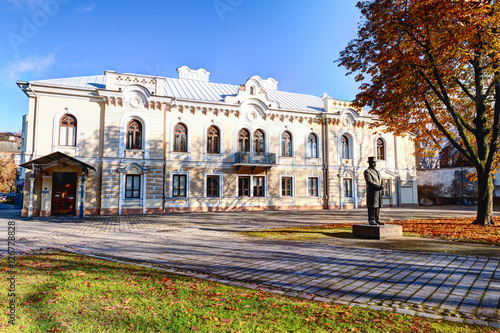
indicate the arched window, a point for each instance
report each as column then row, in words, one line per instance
column 380, row 149
column 244, row 140
column 312, row 145
column 134, row 134
column 180, row 138
column 252, row 91
column 67, row 131
column 258, row 141
column 344, row 146
column 213, row 140
column 286, row 144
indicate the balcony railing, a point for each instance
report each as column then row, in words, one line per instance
column 251, row 158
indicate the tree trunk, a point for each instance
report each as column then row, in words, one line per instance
column 485, row 189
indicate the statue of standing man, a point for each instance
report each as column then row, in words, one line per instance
column 374, row 189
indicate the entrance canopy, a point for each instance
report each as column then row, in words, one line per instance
column 56, row 159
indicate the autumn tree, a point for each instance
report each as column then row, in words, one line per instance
column 7, row 172
column 431, row 67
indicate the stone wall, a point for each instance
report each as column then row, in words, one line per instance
column 450, row 186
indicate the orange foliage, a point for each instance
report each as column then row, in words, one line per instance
column 458, row 229
column 7, row 173
column 432, row 68
column 453, row 229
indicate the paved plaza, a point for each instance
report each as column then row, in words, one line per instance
column 435, row 285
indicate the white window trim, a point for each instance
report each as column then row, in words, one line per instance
column 319, row 185
column 56, row 130
column 171, row 184
column 294, row 143
column 375, row 148
column 318, row 145
column 221, row 184
column 390, row 187
column 189, row 136
column 281, row 185
column 125, row 171
column 251, row 185
column 123, row 133
column 352, row 143
column 205, row 141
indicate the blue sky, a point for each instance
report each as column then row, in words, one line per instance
column 294, row 41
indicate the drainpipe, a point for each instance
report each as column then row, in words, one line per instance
column 164, row 198
column 324, row 135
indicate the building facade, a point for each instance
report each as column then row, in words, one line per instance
column 149, row 145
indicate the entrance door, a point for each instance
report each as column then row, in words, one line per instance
column 64, row 193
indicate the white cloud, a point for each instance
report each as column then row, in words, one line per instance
column 88, row 8
column 22, row 3
column 33, row 65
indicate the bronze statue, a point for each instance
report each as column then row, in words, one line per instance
column 374, row 189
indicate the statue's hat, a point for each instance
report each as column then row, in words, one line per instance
column 371, row 159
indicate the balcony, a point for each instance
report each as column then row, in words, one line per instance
column 254, row 160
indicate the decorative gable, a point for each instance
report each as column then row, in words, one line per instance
column 255, row 89
column 193, row 74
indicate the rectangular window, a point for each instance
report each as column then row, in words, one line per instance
column 213, row 186
column 258, row 186
column 286, row 187
column 132, row 186
column 243, row 186
column 312, row 185
column 179, row 186
column 348, row 187
column 386, row 192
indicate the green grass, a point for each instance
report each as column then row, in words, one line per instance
column 302, row 233
column 71, row 293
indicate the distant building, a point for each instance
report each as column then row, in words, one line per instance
column 11, row 150
column 151, row 145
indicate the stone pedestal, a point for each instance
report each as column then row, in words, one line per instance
column 377, row 231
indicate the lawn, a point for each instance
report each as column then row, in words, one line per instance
column 60, row 292
column 457, row 229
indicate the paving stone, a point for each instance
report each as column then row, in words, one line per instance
column 476, row 322
column 429, row 315
column 196, row 247
column 405, row 311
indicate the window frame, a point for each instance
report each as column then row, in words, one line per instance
column 242, row 190
column 287, row 186
column 244, row 141
column 213, row 134
column 312, row 146
column 134, row 135
column 259, row 191
column 347, row 187
column 310, row 190
column 345, row 151
column 211, row 189
column 66, row 128
column 178, row 136
column 133, row 189
column 179, row 189
column 286, row 142
column 380, row 149
column 386, row 192
column 259, row 141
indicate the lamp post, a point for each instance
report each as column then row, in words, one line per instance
column 82, row 194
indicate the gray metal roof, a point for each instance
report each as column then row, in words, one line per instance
column 200, row 91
